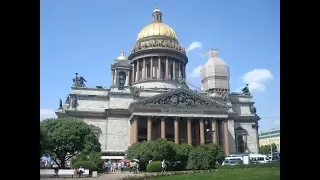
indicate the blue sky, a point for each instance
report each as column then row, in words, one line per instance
column 86, row 36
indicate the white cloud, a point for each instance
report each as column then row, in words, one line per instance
column 47, row 113
column 257, row 79
column 196, row 72
column 277, row 122
column 194, row 45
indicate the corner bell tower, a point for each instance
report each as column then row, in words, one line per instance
column 215, row 74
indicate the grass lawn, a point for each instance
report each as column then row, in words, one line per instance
column 242, row 174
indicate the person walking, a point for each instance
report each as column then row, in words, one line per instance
column 163, row 165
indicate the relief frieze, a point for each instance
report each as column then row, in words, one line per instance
column 181, row 99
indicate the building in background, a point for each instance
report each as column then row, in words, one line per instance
column 149, row 98
column 270, row 136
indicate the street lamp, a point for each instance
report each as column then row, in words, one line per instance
column 271, row 149
column 210, row 131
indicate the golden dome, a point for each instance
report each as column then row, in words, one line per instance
column 157, row 29
column 122, row 57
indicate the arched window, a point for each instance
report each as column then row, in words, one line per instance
column 240, row 144
column 121, row 78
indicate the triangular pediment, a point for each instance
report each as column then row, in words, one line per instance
column 181, row 97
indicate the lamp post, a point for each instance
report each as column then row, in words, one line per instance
column 210, row 131
column 271, row 149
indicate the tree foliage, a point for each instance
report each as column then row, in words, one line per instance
column 177, row 156
column 154, row 166
column 63, row 137
column 92, row 160
column 42, row 143
column 152, row 150
column 204, row 157
column 266, row 149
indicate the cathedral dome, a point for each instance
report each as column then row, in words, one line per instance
column 157, row 27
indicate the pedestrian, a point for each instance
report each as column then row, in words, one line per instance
column 163, row 165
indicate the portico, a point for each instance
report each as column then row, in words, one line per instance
column 189, row 130
column 181, row 116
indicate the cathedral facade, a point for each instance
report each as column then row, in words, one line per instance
column 149, row 98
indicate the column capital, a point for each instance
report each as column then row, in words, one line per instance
column 163, row 117
column 189, row 119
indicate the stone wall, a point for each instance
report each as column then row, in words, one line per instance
column 118, row 102
column 118, row 134
column 102, row 124
column 232, row 144
column 252, row 138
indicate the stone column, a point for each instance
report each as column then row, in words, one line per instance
column 115, row 77
column 127, row 79
column 189, row 131
column 151, row 67
column 201, row 131
column 174, row 69
column 144, row 69
column 176, row 130
column 159, row 68
column 167, row 68
column 163, row 127
column 112, row 74
column 226, row 137
column 132, row 74
column 214, row 134
column 137, row 72
column 131, row 132
column 149, row 128
column 179, row 68
column 135, row 130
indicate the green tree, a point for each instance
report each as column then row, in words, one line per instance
column 66, row 136
column 204, row 157
column 93, row 158
column 274, row 147
column 156, row 150
column 266, row 149
column 182, row 155
column 42, row 143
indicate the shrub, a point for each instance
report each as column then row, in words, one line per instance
column 154, row 166
column 203, row 157
column 86, row 165
column 93, row 157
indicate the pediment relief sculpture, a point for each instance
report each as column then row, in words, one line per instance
column 181, row 98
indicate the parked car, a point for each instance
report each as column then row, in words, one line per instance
column 230, row 162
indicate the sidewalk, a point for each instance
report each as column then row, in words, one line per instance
column 108, row 176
